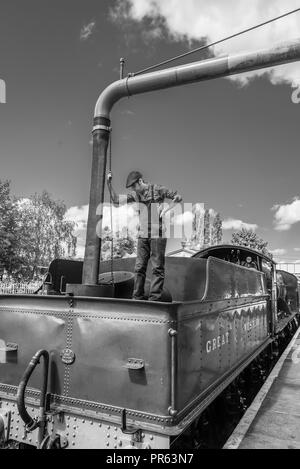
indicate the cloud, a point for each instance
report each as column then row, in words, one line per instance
column 123, row 217
column 200, row 20
column 296, row 249
column 185, row 217
column 87, row 30
column 286, row 215
column 233, row 224
column 278, row 252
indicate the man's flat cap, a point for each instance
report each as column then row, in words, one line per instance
column 133, row 177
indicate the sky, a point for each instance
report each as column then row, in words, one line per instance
column 230, row 143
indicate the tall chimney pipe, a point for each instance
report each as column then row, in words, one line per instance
column 171, row 77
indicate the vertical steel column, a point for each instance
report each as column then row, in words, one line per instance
column 101, row 131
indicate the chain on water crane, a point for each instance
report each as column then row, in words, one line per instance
column 122, row 62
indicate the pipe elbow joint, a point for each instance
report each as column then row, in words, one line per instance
column 110, row 96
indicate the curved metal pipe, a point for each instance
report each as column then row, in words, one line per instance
column 194, row 72
column 30, row 423
column 170, row 77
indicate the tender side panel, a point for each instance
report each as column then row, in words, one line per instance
column 31, row 331
column 184, row 277
column 222, row 331
column 103, row 352
column 228, row 281
column 212, row 344
column 102, row 371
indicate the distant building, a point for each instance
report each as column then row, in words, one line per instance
column 293, row 268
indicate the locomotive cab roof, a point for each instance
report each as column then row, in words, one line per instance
column 224, row 251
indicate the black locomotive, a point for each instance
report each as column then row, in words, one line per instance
column 119, row 373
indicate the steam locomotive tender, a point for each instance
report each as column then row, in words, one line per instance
column 119, row 373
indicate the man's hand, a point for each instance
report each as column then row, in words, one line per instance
column 109, row 177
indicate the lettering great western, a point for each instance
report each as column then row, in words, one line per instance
column 223, row 339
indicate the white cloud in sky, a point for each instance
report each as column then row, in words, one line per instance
column 211, row 21
column 286, row 215
column 234, row 224
column 87, row 30
column 185, row 217
column 278, row 252
column 297, row 249
column 123, row 217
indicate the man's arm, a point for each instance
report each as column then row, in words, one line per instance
column 174, row 196
column 116, row 199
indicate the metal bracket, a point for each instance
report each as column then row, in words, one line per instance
column 8, row 352
column 102, row 127
column 54, row 442
column 35, row 424
column 135, row 364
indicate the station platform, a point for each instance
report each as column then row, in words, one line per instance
column 273, row 419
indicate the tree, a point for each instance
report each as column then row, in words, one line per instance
column 206, row 234
column 217, row 233
column 44, row 233
column 9, row 232
column 250, row 239
column 123, row 244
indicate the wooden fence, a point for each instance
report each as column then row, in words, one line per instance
column 20, row 288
